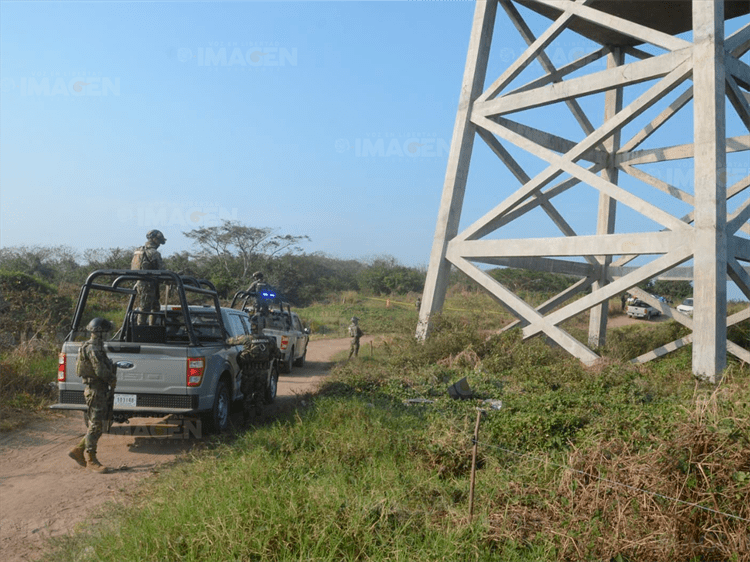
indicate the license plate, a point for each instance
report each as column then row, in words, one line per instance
column 127, row 400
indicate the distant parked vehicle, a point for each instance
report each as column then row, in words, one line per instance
column 639, row 309
column 686, row 307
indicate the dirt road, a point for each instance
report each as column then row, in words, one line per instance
column 43, row 493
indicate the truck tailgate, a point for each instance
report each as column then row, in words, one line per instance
column 147, row 368
column 149, row 377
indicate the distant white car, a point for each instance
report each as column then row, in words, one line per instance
column 686, row 307
column 639, row 309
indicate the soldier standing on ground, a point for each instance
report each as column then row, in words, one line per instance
column 254, row 361
column 354, row 333
column 148, row 257
column 99, row 375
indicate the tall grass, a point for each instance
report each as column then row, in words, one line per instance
column 334, row 486
column 28, row 376
column 399, row 315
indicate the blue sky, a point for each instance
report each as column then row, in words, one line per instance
column 326, row 119
column 167, row 140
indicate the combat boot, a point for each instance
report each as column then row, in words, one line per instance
column 95, row 465
column 77, row 455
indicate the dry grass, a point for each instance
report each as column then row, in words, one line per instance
column 685, row 498
column 466, row 359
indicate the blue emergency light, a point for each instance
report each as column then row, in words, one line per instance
column 268, row 294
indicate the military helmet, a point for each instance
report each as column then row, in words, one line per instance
column 99, row 325
column 156, row 236
column 258, row 275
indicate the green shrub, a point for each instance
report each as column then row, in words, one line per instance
column 34, row 309
column 27, row 384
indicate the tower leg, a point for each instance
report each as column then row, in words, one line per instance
column 710, row 259
column 607, row 206
column 457, row 171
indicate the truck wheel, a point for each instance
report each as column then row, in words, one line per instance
column 273, row 386
column 300, row 361
column 217, row 419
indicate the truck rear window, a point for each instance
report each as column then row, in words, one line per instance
column 206, row 326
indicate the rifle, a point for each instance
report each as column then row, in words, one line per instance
column 110, row 403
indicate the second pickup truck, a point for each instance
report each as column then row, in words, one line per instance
column 278, row 321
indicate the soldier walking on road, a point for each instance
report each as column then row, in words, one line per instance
column 99, row 375
column 148, row 257
column 355, row 333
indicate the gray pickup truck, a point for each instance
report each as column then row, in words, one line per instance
column 177, row 361
column 279, row 322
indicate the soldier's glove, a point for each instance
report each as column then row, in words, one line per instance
column 112, row 386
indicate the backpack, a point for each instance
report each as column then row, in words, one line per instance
column 138, row 258
column 84, row 368
column 258, row 351
column 141, row 259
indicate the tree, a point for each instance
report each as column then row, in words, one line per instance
column 51, row 263
column 237, row 248
column 32, row 307
column 305, row 278
column 525, row 280
column 384, row 276
column 180, row 262
column 108, row 258
column 673, row 290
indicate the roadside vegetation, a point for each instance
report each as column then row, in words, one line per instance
column 615, row 462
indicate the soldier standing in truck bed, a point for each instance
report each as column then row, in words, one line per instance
column 148, row 257
column 257, row 281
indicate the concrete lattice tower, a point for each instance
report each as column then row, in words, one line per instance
column 662, row 76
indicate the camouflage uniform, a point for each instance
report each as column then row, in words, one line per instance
column 99, row 375
column 148, row 257
column 93, row 360
column 258, row 276
column 354, row 333
column 254, row 361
